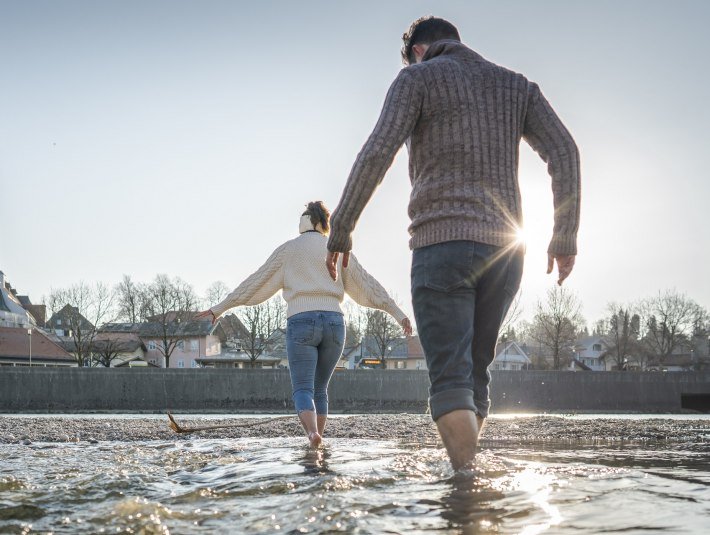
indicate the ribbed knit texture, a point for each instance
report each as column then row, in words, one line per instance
column 298, row 268
column 463, row 118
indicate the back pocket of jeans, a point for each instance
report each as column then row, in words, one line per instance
column 301, row 330
column 337, row 327
column 449, row 266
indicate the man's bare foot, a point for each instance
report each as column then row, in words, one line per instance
column 315, row 439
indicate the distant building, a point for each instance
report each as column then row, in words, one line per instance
column 232, row 332
column 590, row 353
column 64, row 321
column 194, row 341
column 408, row 355
column 22, row 346
column 12, row 313
column 120, row 347
column 240, row 359
column 510, row 356
column 404, row 353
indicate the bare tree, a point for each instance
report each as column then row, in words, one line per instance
column 215, row 293
column 669, row 320
column 83, row 308
column 170, row 305
column 384, row 332
column 355, row 323
column 556, row 324
column 106, row 348
column 132, row 300
column 260, row 322
column 622, row 332
column 507, row 329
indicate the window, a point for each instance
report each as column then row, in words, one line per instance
column 151, row 345
column 181, row 345
column 597, row 347
column 400, row 365
column 59, row 321
column 194, row 345
column 152, row 361
column 181, row 363
column 194, row 364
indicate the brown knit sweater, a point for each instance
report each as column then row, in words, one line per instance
column 462, row 118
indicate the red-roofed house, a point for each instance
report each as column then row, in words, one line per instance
column 18, row 348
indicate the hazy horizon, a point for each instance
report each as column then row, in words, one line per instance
column 184, row 138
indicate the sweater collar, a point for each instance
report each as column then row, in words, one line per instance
column 449, row 47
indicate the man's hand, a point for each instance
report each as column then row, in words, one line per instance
column 407, row 326
column 331, row 262
column 206, row 314
column 564, row 266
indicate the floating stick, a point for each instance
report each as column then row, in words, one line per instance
column 180, row 429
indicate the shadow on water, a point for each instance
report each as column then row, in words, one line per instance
column 349, row 486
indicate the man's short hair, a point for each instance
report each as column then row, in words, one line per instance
column 425, row 31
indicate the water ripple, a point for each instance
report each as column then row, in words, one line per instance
column 351, row 486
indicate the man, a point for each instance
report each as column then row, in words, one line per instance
column 462, row 118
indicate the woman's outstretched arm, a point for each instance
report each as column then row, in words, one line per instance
column 257, row 287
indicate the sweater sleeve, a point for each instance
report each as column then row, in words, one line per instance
column 258, row 286
column 547, row 135
column 366, row 291
column 397, row 120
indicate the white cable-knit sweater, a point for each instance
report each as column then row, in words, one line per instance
column 298, row 268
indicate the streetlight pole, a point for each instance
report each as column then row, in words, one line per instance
column 29, row 333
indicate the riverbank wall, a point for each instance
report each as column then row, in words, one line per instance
column 66, row 390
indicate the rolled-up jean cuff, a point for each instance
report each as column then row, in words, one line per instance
column 483, row 413
column 451, row 400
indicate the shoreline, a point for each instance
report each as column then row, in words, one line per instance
column 410, row 428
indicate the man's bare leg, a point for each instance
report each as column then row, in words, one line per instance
column 481, row 422
column 459, row 432
column 310, row 424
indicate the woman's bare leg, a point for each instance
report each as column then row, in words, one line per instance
column 321, row 423
column 310, row 424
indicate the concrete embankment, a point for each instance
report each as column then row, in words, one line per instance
column 235, row 390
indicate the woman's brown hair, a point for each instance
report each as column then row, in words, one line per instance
column 318, row 214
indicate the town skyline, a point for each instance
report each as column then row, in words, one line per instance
column 152, row 138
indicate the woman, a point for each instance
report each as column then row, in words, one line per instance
column 315, row 333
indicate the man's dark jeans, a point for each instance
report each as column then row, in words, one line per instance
column 461, row 292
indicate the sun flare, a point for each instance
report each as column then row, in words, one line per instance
column 520, row 236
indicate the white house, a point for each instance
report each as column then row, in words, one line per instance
column 12, row 314
column 589, row 354
column 509, row 356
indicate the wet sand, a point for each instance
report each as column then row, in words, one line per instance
column 409, row 428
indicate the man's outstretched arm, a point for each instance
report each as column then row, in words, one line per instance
column 547, row 135
column 397, row 119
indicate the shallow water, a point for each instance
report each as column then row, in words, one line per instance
column 351, row 486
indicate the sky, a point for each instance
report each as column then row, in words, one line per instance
column 146, row 137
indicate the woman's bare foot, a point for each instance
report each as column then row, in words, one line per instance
column 315, row 439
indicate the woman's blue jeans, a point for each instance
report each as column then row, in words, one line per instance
column 314, row 343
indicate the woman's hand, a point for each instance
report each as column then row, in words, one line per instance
column 206, row 314
column 407, row 326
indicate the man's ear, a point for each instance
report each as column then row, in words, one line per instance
column 419, row 51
